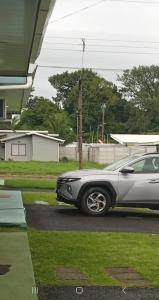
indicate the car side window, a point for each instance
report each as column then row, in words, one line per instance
column 156, row 163
column 147, row 165
column 138, row 166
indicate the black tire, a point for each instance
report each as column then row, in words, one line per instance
column 99, row 200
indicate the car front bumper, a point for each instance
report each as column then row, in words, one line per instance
column 64, row 199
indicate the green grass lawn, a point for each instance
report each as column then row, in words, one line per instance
column 93, row 253
column 36, row 167
column 30, row 183
column 31, row 197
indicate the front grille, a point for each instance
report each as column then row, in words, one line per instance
column 60, row 181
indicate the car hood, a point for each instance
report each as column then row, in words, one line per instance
column 89, row 172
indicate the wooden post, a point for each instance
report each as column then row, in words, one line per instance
column 80, row 125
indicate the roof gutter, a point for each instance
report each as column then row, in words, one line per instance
column 25, row 86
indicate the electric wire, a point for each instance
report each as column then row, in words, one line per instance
column 102, row 39
column 77, row 11
column 102, row 51
column 98, row 3
column 79, row 68
column 103, row 45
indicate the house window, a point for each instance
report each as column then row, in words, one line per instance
column 18, row 150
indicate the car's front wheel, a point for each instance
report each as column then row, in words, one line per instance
column 95, row 201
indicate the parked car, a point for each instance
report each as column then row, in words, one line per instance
column 132, row 182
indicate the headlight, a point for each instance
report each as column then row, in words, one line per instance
column 70, row 179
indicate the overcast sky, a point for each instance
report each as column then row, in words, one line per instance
column 111, row 29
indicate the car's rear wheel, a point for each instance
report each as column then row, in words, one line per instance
column 95, row 201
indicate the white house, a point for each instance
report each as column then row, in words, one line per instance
column 26, row 146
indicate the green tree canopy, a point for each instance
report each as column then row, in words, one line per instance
column 140, row 86
column 42, row 114
column 96, row 92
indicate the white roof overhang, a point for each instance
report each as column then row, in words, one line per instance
column 31, row 134
column 138, row 139
column 22, row 27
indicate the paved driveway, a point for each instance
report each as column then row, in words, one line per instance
column 68, row 218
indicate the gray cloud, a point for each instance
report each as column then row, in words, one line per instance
column 109, row 21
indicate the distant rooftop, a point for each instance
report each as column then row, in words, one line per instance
column 24, row 131
column 30, row 134
column 140, row 139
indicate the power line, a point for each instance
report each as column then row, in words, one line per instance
column 101, row 51
column 61, row 37
column 77, row 11
column 103, row 45
column 99, row 2
column 79, row 68
column 55, row 43
column 135, row 1
column 101, row 39
column 59, row 49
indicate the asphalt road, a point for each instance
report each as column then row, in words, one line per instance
column 45, row 217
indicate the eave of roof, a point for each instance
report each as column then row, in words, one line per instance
column 21, row 36
column 45, row 10
column 30, row 134
column 24, row 131
column 21, row 39
column 138, row 139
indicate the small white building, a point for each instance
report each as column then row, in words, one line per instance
column 29, row 146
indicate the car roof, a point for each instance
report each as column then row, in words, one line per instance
column 152, row 153
column 145, row 154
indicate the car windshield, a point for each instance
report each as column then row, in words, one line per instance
column 117, row 164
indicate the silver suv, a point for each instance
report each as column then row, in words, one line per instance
column 132, row 181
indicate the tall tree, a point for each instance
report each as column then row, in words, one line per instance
column 42, row 114
column 96, row 92
column 140, row 86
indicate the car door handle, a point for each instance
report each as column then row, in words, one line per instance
column 153, row 180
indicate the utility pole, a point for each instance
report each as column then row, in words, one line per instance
column 103, row 119
column 80, row 104
column 80, row 133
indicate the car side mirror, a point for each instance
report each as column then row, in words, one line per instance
column 127, row 170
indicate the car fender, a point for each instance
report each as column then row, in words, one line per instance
column 104, row 184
